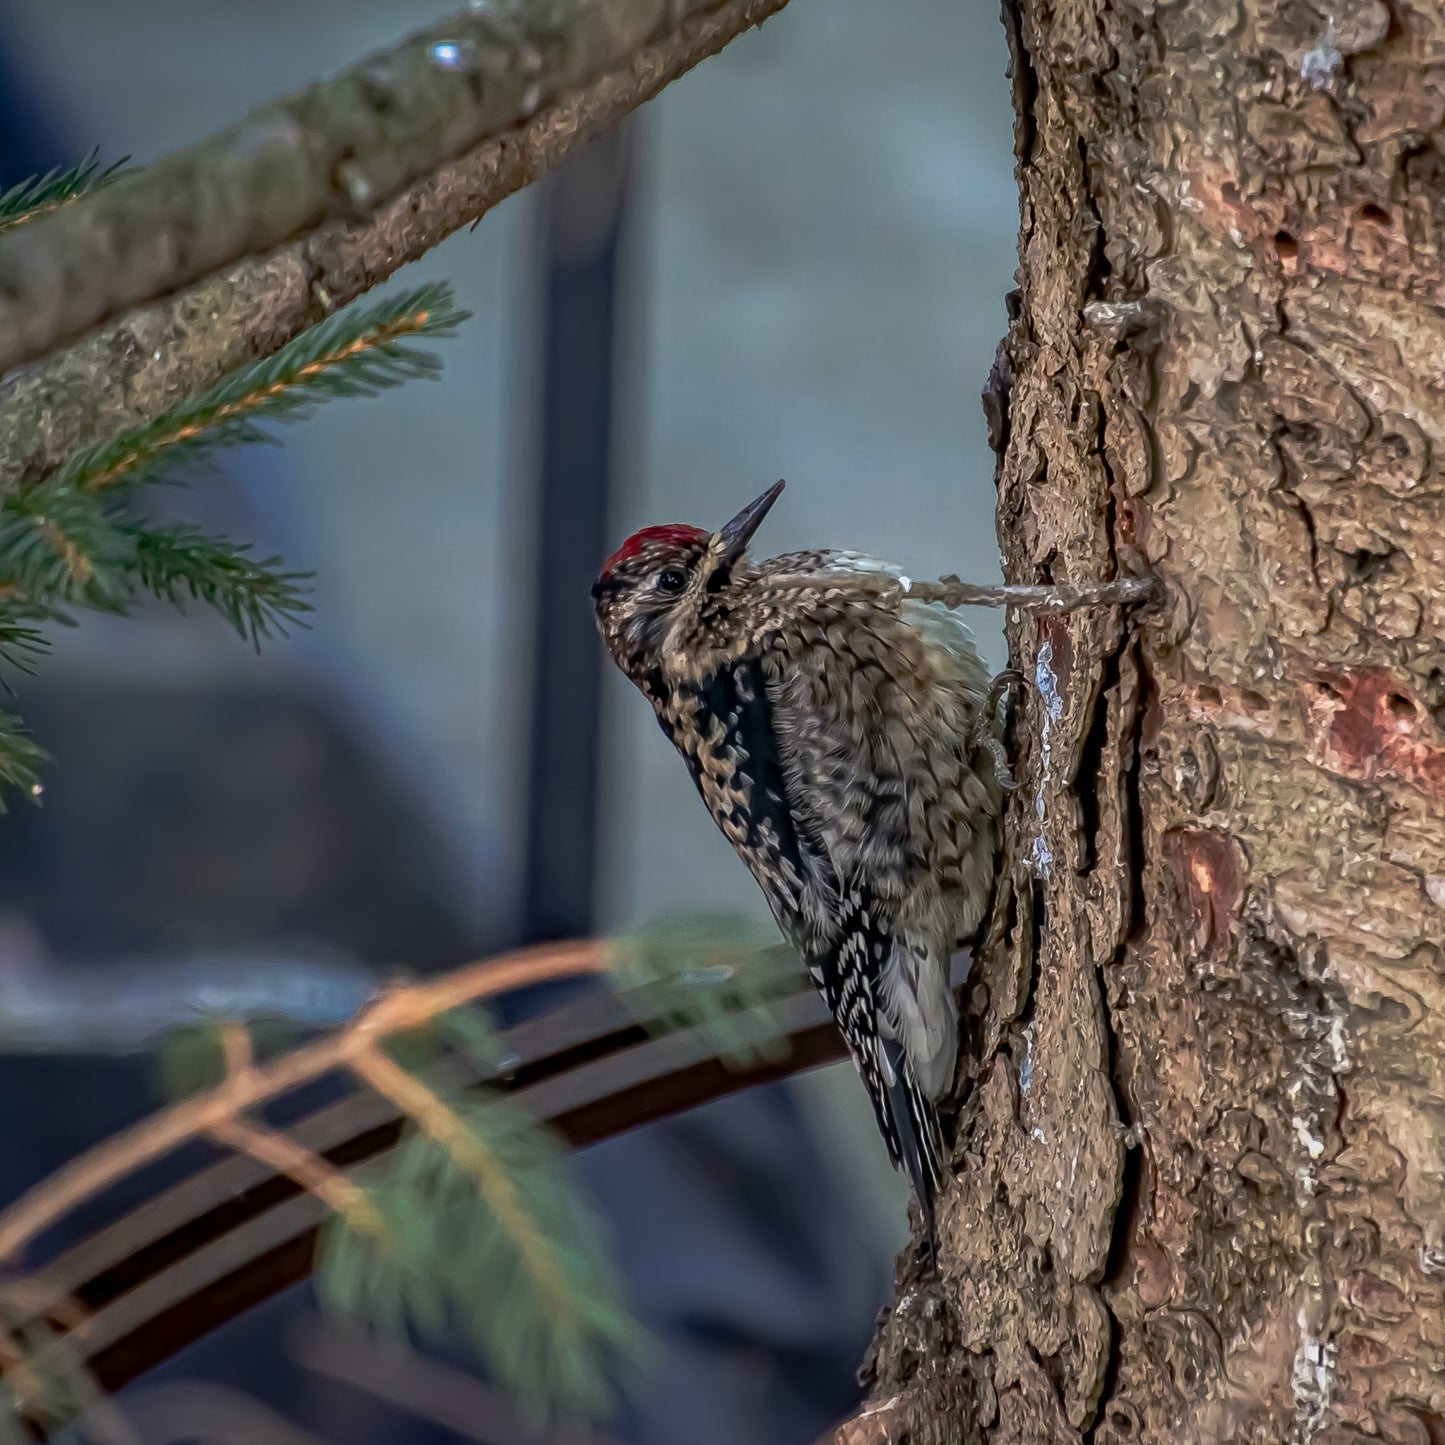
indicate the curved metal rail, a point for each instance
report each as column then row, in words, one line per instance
column 234, row 1233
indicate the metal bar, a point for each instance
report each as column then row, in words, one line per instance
column 581, row 216
column 166, row 1309
column 233, row 1235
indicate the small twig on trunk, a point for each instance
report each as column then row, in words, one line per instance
column 262, row 290
column 951, row 591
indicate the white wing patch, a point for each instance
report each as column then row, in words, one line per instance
column 917, row 1008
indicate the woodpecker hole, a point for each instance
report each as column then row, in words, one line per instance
column 1376, row 215
column 1400, row 706
column 1285, row 245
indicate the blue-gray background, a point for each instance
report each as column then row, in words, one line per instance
column 821, row 232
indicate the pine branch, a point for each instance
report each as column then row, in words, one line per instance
column 29, row 200
column 22, row 644
column 402, row 1011
column 62, row 545
column 49, row 1373
column 21, row 759
column 277, row 1150
column 424, row 186
column 712, row 972
column 255, row 596
column 359, row 352
column 485, row 1233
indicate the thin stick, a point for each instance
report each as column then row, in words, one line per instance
column 953, row 592
column 418, row 1386
column 283, row 1154
column 1051, row 597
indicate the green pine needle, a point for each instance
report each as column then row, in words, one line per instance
column 530, row 1286
column 357, row 352
column 33, row 197
column 712, row 972
column 469, row 1033
column 21, row 644
column 60, row 545
column 254, row 595
column 21, row 759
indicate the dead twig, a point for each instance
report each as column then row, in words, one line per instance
column 399, row 1011
column 280, row 1152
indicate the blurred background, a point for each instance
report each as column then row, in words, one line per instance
column 790, row 265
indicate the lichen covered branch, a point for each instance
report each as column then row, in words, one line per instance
column 311, row 201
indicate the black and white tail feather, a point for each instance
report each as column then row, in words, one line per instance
column 855, row 980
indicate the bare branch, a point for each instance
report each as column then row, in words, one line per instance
column 952, row 592
column 409, row 195
column 197, row 1412
column 395, row 1012
column 284, row 1155
column 279, row 1152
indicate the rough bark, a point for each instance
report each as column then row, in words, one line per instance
column 1200, row 1190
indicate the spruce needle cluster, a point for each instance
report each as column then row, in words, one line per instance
column 80, row 537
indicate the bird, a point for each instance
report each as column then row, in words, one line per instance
column 846, row 739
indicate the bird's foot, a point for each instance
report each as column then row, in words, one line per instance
column 992, row 725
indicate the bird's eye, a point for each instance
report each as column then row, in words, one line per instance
column 670, row 579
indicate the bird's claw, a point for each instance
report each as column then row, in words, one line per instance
column 992, row 724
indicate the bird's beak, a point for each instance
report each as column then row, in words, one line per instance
column 733, row 538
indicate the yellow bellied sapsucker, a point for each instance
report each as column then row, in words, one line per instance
column 843, row 737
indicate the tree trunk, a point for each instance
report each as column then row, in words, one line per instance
column 1200, row 1191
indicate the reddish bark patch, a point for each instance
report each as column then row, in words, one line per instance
column 1209, row 866
column 1061, row 648
column 1365, row 723
column 1154, row 1280
column 1356, row 234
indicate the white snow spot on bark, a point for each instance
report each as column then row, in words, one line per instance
column 1312, row 1381
column 1338, row 1047
column 1042, row 856
column 1313, row 1094
column 1318, row 65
